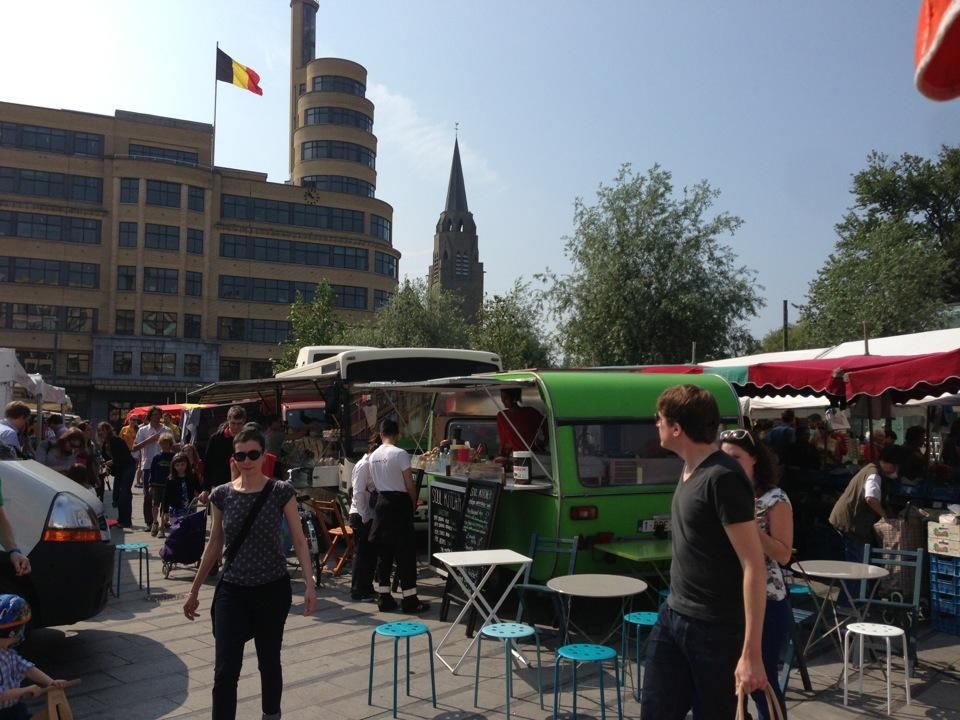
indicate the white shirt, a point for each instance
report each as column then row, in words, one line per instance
column 10, row 435
column 387, row 464
column 148, row 452
column 871, row 487
column 362, row 485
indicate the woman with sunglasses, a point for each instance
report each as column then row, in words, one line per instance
column 253, row 596
column 775, row 525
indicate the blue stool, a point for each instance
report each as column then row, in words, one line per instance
column 798, row 589
column 143, row 553
column 398, row 630
column 584, row 653
column 508, row 632
column 638, row 620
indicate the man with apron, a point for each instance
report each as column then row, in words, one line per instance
column 392, row 531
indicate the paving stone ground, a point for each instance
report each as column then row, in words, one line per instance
column 140, row 659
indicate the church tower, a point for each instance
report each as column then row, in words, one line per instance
column 456, row 260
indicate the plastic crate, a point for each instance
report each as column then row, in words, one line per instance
column 944, row 493
column 944, row 586
column 945, row 623
column 944, row 565
column 944, row 604
column 921, row 489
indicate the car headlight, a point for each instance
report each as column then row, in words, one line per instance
column 71, row 520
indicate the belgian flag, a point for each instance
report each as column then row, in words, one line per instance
column 230, row 71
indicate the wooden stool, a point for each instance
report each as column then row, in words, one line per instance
column 874, row 630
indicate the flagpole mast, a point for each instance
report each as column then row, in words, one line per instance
column 213, row 143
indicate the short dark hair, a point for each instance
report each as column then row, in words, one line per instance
column 788, row 416
column 236, row 413
column 152, row 410
column 55, row 419
column 515, row 393
column 693, row 408
column 249, row 434
column 389, row 428
column 915, row 435
column 16, row 409
column 892, row 454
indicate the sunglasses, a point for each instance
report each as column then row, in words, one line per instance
column 240, row 456
column 738, row 435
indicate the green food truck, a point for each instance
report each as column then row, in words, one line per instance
column 596, row 472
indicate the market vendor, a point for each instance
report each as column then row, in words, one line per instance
column 861, row 503
column 519, row 427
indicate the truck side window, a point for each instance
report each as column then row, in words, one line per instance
column 620, row 453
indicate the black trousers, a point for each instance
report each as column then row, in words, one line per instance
column 241, row 613
column 364, row 559
column 123, row 491
column 395, row 540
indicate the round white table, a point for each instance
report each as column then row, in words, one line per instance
column 836, row 572
column 595, row 586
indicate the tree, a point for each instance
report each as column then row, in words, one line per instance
column 650, row 276
column 798, row 338
column 415, row 316
column 311, row 323
column 511, row 326
column 886, row 274
column 918, row 191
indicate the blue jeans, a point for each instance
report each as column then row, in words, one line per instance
column 776, row 625
column 686, row 659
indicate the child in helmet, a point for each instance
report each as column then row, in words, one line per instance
column 14, row 616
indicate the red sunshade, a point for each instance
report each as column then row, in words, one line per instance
column 898, row 377
column 175, row 411
column 937, row 52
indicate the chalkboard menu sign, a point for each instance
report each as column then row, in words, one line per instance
column 479, row 514
column 446, row 512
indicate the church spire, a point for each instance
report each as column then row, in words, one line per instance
column 456, row 190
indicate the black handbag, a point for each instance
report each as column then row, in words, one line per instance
column 231, row 551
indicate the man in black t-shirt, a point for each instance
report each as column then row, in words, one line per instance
column 706, row 641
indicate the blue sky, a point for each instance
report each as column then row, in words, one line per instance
column 776, row 104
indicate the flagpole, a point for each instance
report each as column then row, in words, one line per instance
column 213, row 143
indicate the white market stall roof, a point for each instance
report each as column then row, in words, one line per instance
column 11, row 371
column 51, row 394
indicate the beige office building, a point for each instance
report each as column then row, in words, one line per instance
column 131, row 270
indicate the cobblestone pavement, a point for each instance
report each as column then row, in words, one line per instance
column 141, row 660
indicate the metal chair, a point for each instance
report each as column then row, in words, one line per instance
column 584, row 653
column 544, row 545
column 397, row 630
column 338, row 533
column 509, row 633
column 897, row 610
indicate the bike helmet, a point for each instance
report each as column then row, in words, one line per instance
column 14, row 616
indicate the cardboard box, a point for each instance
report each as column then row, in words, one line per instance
column 942, row 531
column 940, row 546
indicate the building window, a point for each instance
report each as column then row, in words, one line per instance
column 347, row 296
column 162, row 237
column 191, row 326
column 261, row 369
column 191, row 365
column 127, row 234
column 160, row 280
column 195, row 241
column 82, row 275
column 36, row 362
column 56, row 228
column 287, row 213
column 24, row 316
column 88, row 144
column 78, row 363
column 253, row 330
column 245, row 247
column 229, row 369
column 79, row 319
column 338, row 83
column 154, row 363
column 339, row 184
column 130, row 190
column 302, row 88
column 124, row 324
column 44, row 139
column 385, row 264
column 126, row 278
column 380, row 298
column 165, row 194
column 34, row 271
column 195, row 198
column 380, row 228
column 193, row 284
column 338, row 150
column 147, row 152
column 462, row 265
column 122, row 362
column 338, row 116
column 49, row 184
column 159, row 324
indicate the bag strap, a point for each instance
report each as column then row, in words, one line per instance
column 774, row 710
column 231, row 552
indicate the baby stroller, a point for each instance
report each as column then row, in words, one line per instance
column 185, row 540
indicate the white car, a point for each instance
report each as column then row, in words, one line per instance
column 61, row 527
